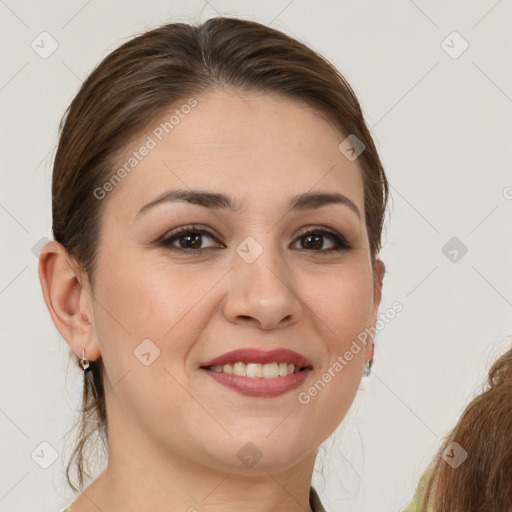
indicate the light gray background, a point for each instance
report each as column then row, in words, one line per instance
column 442, row 126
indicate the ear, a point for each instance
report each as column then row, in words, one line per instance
column 379, row 269
column 68, row 297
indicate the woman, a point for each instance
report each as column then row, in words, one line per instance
column 472, row 471
column 218, row 204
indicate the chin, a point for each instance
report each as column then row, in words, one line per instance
column 259, row 452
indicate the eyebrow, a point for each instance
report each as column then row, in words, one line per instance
column 216, row 201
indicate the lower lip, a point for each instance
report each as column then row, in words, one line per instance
column 265, row 388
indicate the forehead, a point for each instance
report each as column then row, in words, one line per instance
column 259, row 149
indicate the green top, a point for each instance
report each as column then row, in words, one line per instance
column 412, row 507
column 415, row 502
column 314, row 502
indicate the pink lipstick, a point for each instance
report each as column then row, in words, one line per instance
column 259, row 373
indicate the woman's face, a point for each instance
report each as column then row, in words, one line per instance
column 257, row 276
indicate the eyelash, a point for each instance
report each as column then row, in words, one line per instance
column 340, row 241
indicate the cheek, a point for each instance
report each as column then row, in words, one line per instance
column 136, row 303
column 342, row 309
column 143, row 302
column 341, row 302
column 149, row 300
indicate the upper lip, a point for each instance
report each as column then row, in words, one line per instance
column 256, row 355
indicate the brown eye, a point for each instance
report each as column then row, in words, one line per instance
column 192, row 241
column 313, row 240
column 188, row 238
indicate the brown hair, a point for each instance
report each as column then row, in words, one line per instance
column 139, row 81
column 482, row 482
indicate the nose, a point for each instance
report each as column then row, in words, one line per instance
column 262, row 293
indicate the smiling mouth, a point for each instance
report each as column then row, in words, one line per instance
column 259, row 380
column 257, row 370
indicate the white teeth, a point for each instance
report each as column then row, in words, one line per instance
column 240, row 369
column 256, row 370
column 271, row 370
column 283, row 369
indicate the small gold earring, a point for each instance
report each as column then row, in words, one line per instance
column 368, row 367
column 84, row 362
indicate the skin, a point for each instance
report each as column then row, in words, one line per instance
column 174, row 432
